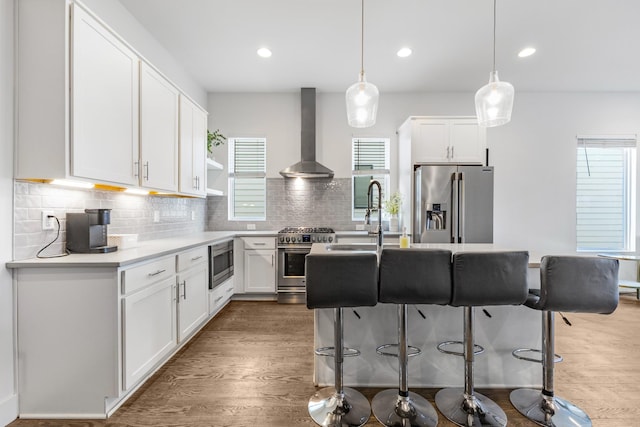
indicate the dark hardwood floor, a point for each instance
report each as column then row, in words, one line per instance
column 252, row 366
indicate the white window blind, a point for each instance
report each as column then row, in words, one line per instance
column 605, row 194
column 370, row 160
column 247, row 179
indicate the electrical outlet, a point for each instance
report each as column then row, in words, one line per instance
column 156, row 216
column 47, row 223
column 359, row 227
column 251, row 226
column 193, row 215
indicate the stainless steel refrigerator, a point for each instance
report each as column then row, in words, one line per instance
column 453, row 204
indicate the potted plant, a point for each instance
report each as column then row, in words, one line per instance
column 392, row 207
column 214, row 139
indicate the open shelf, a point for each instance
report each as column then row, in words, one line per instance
column 213, row 165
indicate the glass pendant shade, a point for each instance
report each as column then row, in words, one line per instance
column 362, row 103
column 494, row 102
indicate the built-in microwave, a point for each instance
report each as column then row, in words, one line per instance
column 220, row 263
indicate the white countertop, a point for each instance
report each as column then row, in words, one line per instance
column 144, row 250
column 534, row 257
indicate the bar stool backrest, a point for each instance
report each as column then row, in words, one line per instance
column 578, row 284
column 341, row 280
column 415, row 276
column 489, row 278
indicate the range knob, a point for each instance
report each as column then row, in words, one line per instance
column 324, row 238
column 287, row 239
column 330, row 239
column 299, row 239
column 281, row 239
column 313, row 239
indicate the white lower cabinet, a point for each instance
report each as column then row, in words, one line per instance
column 149, row 329
column 260, row 271
column 219, row 296
column 193, row 305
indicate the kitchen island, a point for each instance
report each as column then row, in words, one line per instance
column 499, row 329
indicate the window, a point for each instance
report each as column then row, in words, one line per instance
column 605, row 193
column 247, row 179
column 370, row 160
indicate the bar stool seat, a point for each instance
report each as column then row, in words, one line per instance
column 481, row 279
column 568, row 284
column 410, row 276
column 338, row 280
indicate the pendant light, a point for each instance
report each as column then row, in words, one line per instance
column 362, row 96
column 494, row 101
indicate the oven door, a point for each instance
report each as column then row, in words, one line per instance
column 291, row 274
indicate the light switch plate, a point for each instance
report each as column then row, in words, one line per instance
column 156, row 216
column 251, row 226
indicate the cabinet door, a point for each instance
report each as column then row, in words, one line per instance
column 193, row 179
column 149, row 329
column 430, row 141
column 158, row 131
column 468, row 141
column 259, row 271
column 104, row 107
column 193, row 300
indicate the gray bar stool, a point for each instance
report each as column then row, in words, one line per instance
column 410, row 276
column 481, row 279
column 570, row 284
column 335, row 281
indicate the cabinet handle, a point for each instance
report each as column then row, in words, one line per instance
column 447, row 152
column 136, row 169
column 452, row 147
column 217, row 299
column 196, row 258
column 156, row 273
column 259, row 243
column 229, row 290
column 195, row 182
column 272, row 259
column 146, row 169
column 184, row 288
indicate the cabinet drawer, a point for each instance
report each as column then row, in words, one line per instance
column 143, row 275
column 259, row 242
column 192, row 257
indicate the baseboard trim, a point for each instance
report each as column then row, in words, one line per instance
column 8, row 409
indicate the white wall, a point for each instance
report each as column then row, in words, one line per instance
column 8, row 398
column 114, row 14
column 533, row 155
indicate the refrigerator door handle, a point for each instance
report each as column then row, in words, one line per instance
column 461, row 208
column 454, row 207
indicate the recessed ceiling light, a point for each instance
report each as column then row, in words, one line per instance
column 527, row 51
column 404, row 52
column 264, row 52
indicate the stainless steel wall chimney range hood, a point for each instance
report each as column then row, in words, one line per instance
column 307, row 167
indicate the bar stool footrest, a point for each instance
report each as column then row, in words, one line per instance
column 331, row 352
column 516, row 353
column 411, row 350
column 478, row 349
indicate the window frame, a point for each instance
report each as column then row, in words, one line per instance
column 628, row 143
column 233, row 175
column 384, row 174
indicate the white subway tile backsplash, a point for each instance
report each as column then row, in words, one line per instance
column 130, row 214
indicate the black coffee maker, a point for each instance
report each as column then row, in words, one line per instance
column 87, row 232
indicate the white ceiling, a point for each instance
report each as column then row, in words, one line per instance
column 582, row 45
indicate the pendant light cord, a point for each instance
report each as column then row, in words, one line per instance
column 362, row 42
column 494, row 35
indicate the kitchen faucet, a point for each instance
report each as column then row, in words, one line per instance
column 367, row 215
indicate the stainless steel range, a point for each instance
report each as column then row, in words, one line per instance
column 294, row 243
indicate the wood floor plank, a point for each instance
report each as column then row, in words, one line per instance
column 252, row 366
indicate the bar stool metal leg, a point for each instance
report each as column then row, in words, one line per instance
column 465, row 407
column 339, row 406
column 542, row 407
column 401, row 407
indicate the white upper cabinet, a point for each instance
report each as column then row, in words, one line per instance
column 90, row 108
column 158, row 131
column 104, row 137
column 193, row 137
column 442, row 140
